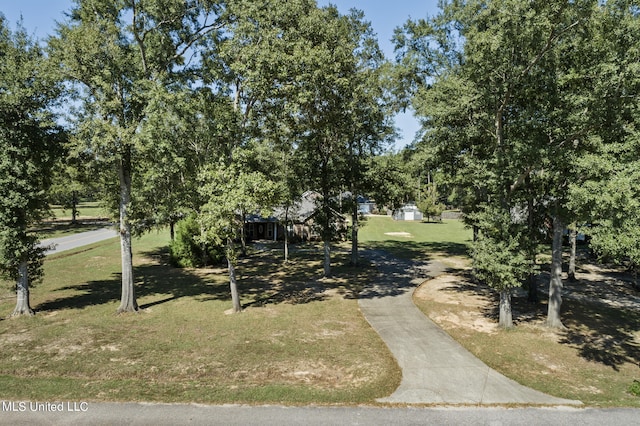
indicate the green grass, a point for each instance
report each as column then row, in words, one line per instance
column 420, row 240
column 86, row 209
column 300, row 340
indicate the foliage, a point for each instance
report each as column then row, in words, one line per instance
column 390, row 181
column 187, row 251
column 634, row 388
column 29, row 144
column 514, row 96
column 429, row 202
column 230, row 191
column 498, row 257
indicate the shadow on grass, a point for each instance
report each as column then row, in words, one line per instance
column 419, row 250
column 602, row 334
column 263, row 279
column 266, row 279
column 157, row 279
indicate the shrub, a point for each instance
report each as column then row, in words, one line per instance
column 187, row 252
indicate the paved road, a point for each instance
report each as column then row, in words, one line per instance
column 435, row 368
column 191, row 414
column 78, row 240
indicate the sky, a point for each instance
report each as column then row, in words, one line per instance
column 39, row 17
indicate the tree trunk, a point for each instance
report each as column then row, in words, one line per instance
column 532, row 283
column 327, row 258
column 203, row 248
column 22, row 291
column 573, row 234
column 243, row 237
column 74, row 207
column 233, row 285
column 286, row 234
column 128, row 301
column 555, row 285
column 172, row 229
column 354, row 236
column 506, row 318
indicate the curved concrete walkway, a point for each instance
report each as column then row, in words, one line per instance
column 435, row 368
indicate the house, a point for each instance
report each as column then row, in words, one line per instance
column 407, row 212
column 263, row 228
column 303, row 216
column 300, row 220
column 366, row 205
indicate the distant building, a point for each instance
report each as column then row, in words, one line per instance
column 366, row 205
column 407, row 212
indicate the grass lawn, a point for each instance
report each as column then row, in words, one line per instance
column 300, row 340
column 416, row 240
column 86, row 209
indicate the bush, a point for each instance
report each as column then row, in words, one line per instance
column 187, row 252
column 634, row 389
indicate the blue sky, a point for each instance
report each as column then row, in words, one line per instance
column 39, row 18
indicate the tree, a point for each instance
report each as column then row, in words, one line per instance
column 30, row 142
column 72, row 180
column 499, row 260
column 389, row 181
column 229, row 192
column 117, row 65
column 608, row 195
column 487, row 79
column 429, row 203
column 368, row 126
column 341, row 115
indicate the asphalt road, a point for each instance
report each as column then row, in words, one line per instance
column 79, row 413
column 78, row 240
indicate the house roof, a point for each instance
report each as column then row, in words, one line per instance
column 304, row 208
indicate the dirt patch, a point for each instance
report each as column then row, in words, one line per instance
column 473, row 306
column 466, row 307
column 311, row 373
column 399, row 234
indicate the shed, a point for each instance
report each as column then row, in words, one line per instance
column 407, row 212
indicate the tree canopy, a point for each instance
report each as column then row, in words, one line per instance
column 30, row 142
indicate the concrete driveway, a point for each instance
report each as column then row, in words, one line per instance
column 435, row 368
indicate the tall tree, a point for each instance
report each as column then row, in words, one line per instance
column 369, row 124
column 339, row 110
column 117, row 53
column 608, row 194
column 29, row 143
column 230, row 191
column 487, row 81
